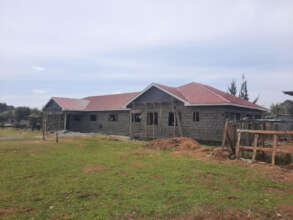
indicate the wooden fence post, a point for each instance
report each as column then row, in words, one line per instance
column 225, row 133
column 254, row 147
column 238, row 145
column 57, row 138
column 274, row 149
column 43, row 128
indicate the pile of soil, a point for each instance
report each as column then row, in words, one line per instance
column 220, row 154
column 177, row 143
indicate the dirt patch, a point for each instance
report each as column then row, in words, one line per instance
column 123, row 172
column 286, row 208
column 9, row 210
column 183, row 145
column 95, row 169
column 5, row 211
column 278, row 190
column 88, row 196
column 220, row 154
column 109, row 139
column 210, row 214
column 136, row 164
column 148, row 150
column 177, row 143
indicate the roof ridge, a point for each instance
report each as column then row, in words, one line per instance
column 110, row 94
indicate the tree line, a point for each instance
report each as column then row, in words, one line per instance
column 243, row 91
column 11, row 114
column 285, row 107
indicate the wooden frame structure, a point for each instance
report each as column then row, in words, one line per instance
column 255, row 148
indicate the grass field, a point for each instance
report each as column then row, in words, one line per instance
column 21, row 133
column 95, row 178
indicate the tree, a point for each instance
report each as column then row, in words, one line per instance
column 243, row 93
column 285, row 107
column 5, row 107
column 22, row 113
column 232, row 89
column 276, row 109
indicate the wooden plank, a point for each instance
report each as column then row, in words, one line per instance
column 179, row 124
column 130, row 124
column 267, row 149
column 160, row 132
column 254, row 147
column 57, row 138
column 238, row 145
column 225, row 133
column 153, row 121
column 45, row 124
column 174, row 120
column 274, row 149
column 65, row 120
column 264, row 131
column 43, row 128
column 146, row 121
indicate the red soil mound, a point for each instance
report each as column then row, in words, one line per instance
column 177, row 143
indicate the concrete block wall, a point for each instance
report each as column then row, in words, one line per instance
column 102, row 123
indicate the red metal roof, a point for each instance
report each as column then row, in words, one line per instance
column 197, row 93
column 71, row 104
column 95, row 103
column 191, row 94
column 109, row 102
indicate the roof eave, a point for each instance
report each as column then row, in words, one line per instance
column 229, row 104
column 96, row 110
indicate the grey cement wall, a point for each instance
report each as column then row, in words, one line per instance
column 209, row 127
column 102, row 123
column 54, row 116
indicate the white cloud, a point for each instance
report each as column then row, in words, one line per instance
column 39, row 91
column 38, row 68
column 30, row 36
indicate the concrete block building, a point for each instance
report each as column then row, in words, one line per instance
column 192, row 110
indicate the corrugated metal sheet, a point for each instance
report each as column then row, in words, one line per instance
column 191, row 94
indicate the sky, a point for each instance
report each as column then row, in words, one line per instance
column 75, row 49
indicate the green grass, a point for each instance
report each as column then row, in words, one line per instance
column 87, row 178
column 21, row 133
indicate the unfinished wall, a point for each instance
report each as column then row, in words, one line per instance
column 53, row 115
column 209, row 127
column 102, row 124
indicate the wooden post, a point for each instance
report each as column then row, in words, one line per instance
column 43, row 128
column 225, row 133
column 254, row 147
column 146, row 121
column 174, row 120
column 57, row 138
column 238, row 145
column 263, row 136
column 274, row 149
column 130, row 124
column 179, row 124
column 153, row 122
column 65, row 120
column 159, row 121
